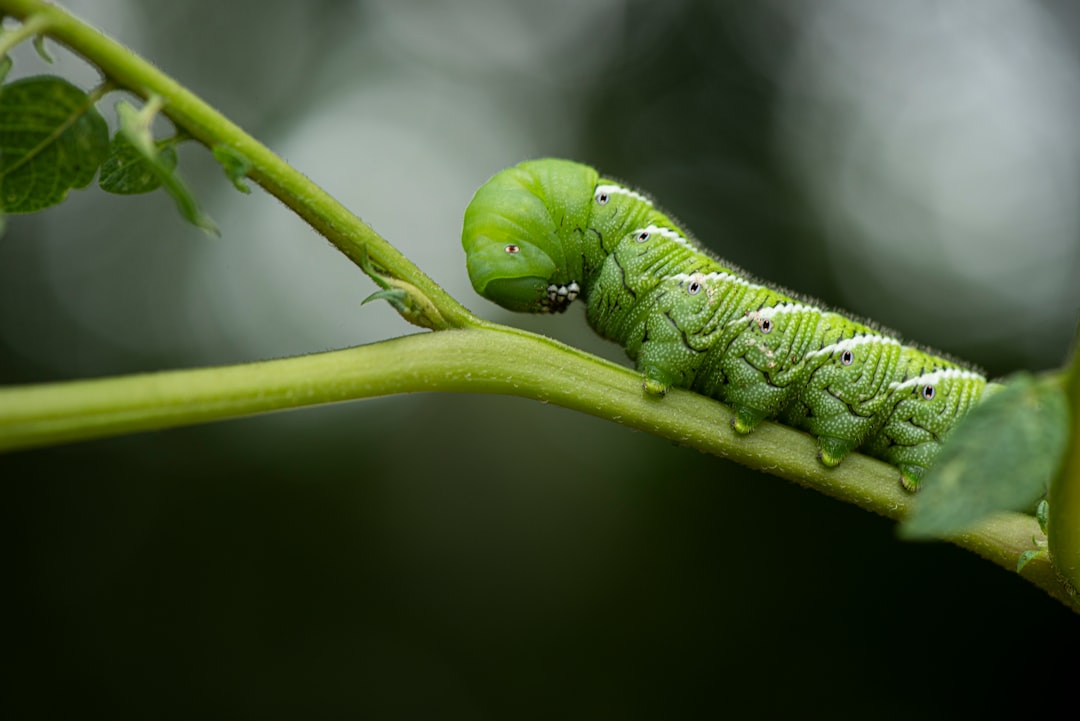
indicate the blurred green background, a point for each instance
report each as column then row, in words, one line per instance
column 489, row 557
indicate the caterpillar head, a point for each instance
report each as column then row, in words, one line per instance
column 520, row 234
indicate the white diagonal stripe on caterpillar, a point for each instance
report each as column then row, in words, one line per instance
column 935, row 377
column 769, row 312
column 719, row 276
column 772, row 310
column 620, row 190
column 665, row 232
column 850, row 343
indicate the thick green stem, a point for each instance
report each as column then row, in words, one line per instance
column 325, row 214
column 1064, row 496
column 502, row 361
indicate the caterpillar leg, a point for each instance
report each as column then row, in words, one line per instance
column 749, row 393
column 665, row 358
column 747, row 419
column 833, row 450
column 656, row 381
column 911, row 476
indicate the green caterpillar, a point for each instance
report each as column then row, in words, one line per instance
column 544, row 233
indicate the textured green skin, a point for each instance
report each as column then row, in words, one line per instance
column 689, row 320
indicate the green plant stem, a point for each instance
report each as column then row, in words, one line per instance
column 1064, row 496
column 202, row 122
column 29, row 28
column 504, row 361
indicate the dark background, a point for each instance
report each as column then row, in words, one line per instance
column 488, row 557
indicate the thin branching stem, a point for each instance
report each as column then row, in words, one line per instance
column 202, row 122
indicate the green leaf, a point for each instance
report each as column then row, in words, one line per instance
column 52, row 139
column 236, row 166
column 135, row 126
column 1000, row 457
column 127, row 171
